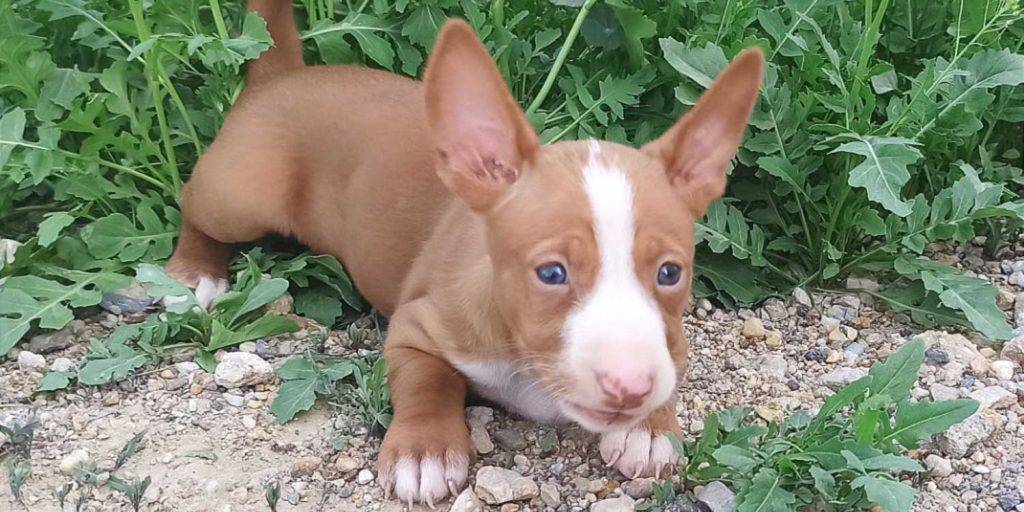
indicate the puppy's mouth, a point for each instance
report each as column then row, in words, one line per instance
column 606, row 418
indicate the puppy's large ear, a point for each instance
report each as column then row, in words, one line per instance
column 696, row 151
column 482, row 137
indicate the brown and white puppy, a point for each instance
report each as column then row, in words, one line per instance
column 550, row 279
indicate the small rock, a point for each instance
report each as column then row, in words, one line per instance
column 818, row 354
column 620, row 504
column 479, row 415
column 801, row 297
column 772, row 366
column 957, row 348
column 132, row 299
column 509, row 439
column 550, row 496
column 364, row 477
column 282, row 305
column 249, row 422
column 346, row 464
column 959, row 439
column 834, row 356
column 773, row 339
column 717, row 497
column 305, row 467
column 186, row 369
column 776, row 310
column 112, row 398
column 62, row 364
column 248, row 347
column 467, row 502
column 841, row 377
column 942, row 392
column 237, row 369
column 981, row 469
column 76, row 458
column 853, row 351
column 994, row 397
column 1002, row 369
column 30, row 360
column 498, row 485
column 481, row 440
column 51, row 341
column 935, row 356
column 753, row 328
column 637, row 488
column 980, row 365
column 1014, row 350
column 770, row 412
column 939, row 467
column 1018, row 310
column 234, row 400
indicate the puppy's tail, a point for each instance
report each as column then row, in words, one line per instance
column 286, row 51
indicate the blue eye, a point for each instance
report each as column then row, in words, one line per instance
column 552, row 274
column 669, row 274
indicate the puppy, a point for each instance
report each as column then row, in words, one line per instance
column 549, row 279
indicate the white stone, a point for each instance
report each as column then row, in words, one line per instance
column 939, row 467
column 841, row 377
column 364, row 477
column 717, row 497
column 1002, row 369
column 620, row 504
column 237, row 369
column 497, row 485
column 467, row 502
column 30, row 360
column 62, row 364
column 71, row 461
column 994, row 397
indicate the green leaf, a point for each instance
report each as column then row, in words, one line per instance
column 883, row 172
column 889, row 494
column 635, row 28
column 896, row 375
column 112, row 360
column 736, row 458
column 293, row 397
column 843, row 398
column 365, row 29
column 12, row 130
column 162, row 285
column 730, row 276
column 915, row 422
column 823, row 481
column 320, row 306
column 262, row 294
column 50, row 228
column 54, row 380
column 890, row 462
column 724, row 228
column 116, row 235
column 765, row 494
column 48, row 302
column 701, row 65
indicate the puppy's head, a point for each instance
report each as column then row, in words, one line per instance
column 591, row 242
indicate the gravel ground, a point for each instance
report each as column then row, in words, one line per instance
column 208, row 448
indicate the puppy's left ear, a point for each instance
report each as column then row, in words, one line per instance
column 696, row 151
column 482, row 137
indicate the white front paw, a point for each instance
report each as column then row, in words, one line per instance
column 637, row 453
column 208, row 289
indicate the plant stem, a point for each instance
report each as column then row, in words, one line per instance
column 560, row 58
column 218, row 19
column 154, row 89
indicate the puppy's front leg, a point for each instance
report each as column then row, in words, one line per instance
column 425, row 453
column 645, row 449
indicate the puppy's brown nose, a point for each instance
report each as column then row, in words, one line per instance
column 627, row 390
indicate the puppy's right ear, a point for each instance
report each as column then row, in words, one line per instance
column 482, row 137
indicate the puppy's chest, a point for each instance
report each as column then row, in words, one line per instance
column 512, row 387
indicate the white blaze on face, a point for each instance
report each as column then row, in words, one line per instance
column 617, row 329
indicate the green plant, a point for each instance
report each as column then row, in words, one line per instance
column 845, row 457
column 88, row 477
column 16, row 453
column 273, row 495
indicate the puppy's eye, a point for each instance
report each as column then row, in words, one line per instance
column 552, row 274
column 669, row 274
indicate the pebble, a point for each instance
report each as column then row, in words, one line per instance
column 481, row 440
column 717, row 497
column 233, row 399
column 238, row 369
column 773, row 339
column 112, row 398
column 941, row 392
column 550, row 496
column 1002, row 369
column 133, row 299
column 249, row 422
column 772, row 366
column 467, row 502
column 620, row 504
column 841, row 377
column 637, row 488
column 1014, row 350
column 960, row 438
column 71, row 461
column 935, row 356
column 939, row 467
column 994, row 397
column 497, row 485
column 30, row 360
column 818, row 354
column 364, row 477
column 51, row 341
column 775, row 309
column 62, row 364
column 510, row 439
column 753, row 328
column 956, row 347
column 801, row 297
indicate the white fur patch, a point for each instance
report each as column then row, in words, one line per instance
column 513, row 387
column 636, row 453
column 617, row 327
column 206, row 292
column 429, row 480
